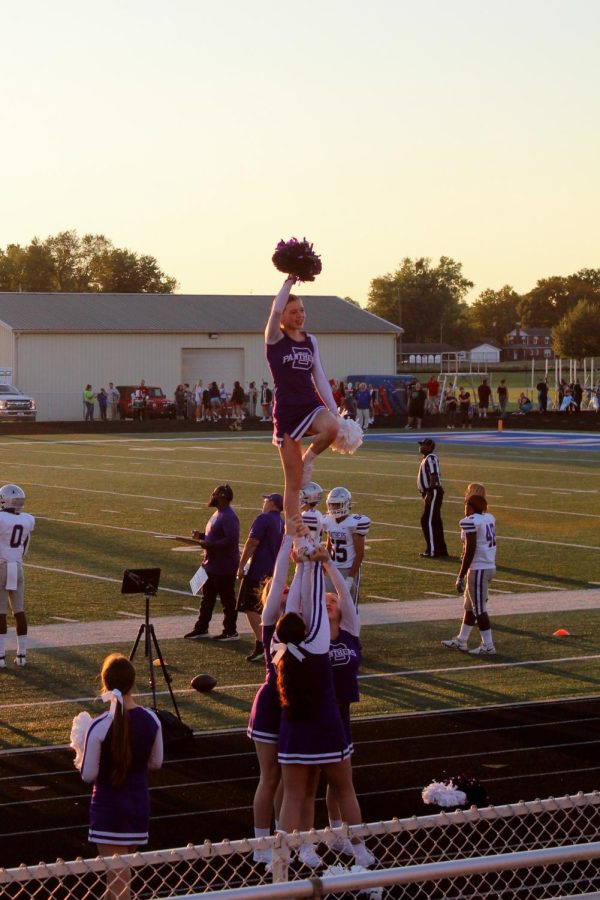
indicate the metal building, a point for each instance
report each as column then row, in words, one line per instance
column 55, row 344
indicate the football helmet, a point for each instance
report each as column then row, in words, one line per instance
column 311, row 493
column 12, row 496
column 339, row 502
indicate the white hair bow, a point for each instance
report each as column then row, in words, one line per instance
column 281, row 650
column 113, row 697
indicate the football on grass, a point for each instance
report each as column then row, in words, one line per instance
column 203, row 683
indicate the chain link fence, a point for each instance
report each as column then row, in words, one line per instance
column 446, row 855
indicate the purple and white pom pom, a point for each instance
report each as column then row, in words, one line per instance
column 79, row 730
column 443, row 793
column 297, row 258
column 349, row 436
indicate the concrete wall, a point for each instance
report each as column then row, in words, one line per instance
column 55, row 368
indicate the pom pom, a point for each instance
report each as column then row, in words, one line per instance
column 297, row 258
column 349, row 436
column 443, row 793
column 79, row 730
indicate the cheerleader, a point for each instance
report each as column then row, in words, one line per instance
column 304, row 402
column 312, row 732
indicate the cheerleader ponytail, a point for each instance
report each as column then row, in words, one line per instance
column 118, row 678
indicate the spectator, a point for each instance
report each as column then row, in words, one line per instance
column 113, row 397
column 349, row 405
column 432, row 404
column 88, row 400
column 237, row 404
column 190, row 403
column 569, row 404
column 221, row 542
column 363, row 406
column 542, row 389
column 206, row 408
column 416, row 405
column 224, row 397
column 180, row 401
column 260, row 551
column 139, row 401
column 339, row 393
column 252, row 399
column 484, row 392
column 102, row 403
column 266, row 398
column 215, row 401
column 451, row 405
column 525, row 404
column 502, row 392
column 560, row 391
column 199, row 413
column 577, row 394
column 464, row 406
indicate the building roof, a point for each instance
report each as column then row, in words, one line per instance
column 540, row 332
column 171, row 313
column 486, row 343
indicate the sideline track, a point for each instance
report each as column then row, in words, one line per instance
column 530, row 440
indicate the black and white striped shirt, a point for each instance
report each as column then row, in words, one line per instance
column 428, row 470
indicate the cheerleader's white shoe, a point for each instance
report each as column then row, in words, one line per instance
column 362, row 855
column 308, row 856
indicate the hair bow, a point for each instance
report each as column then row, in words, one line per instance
column 113, row 697
column 283, row 648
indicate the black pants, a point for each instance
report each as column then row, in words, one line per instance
column 222, row 586
column 431, row 522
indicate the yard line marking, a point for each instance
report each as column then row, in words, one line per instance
column 130, row 615
column 508, row 665
column 439, row 594
column 97, row 577
column 370, row 562
column 63, row 619
column 504, row 536
column 65, row 512
column 193, row 609
column 150, row 509
column 111, row 510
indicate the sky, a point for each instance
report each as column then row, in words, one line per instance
column 203, row 131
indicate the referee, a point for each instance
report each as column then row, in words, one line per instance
column 429, row 485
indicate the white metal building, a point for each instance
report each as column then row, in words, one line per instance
column 55, row 344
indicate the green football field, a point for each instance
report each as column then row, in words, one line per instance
column 105, row 504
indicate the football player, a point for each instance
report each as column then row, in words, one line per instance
column 477, row 568
column 346, row 535
column 310, row 497
column 15, row 530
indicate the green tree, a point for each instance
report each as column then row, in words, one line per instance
column 494, row 313
column 66, row 262
column 577, row 335
column 426, row 300
column 552, row 298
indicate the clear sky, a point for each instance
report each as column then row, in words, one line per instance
column 202, row 131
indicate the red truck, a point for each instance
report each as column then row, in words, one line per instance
column 157, row 406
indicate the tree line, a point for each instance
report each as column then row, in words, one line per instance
column 69, row 263
column 428, row 301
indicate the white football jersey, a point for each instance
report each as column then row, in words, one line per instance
column 314, row 519
column 483, row 525
column 340, row 534
column 15, row 529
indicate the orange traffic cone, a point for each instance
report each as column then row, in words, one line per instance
column 562, row 632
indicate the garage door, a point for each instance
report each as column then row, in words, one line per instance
column 225, row 365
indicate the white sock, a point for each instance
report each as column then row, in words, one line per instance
column 309, row 456
column 262, row 832
column 2, row 644
column 486, row 637
column 277, row 825
column 335, row 823
column 21, row 644
column 465, row 632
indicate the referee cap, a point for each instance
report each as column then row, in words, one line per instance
column 427, row 445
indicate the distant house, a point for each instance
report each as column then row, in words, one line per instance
column 423, row 354
column 485, row 352
column 528, row 343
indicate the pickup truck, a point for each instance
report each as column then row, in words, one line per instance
column 15, row 406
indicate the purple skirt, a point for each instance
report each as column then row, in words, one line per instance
column 317, row 742
column 263, row 725
column 295, row 421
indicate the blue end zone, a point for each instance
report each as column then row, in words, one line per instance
column 531, row 440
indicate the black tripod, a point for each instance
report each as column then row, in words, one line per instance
column 145, row 581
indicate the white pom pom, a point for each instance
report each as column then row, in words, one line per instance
column 79, row 729
column 349, row 436
column 442, row 793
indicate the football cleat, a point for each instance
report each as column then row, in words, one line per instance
column 339, row 502
column 482, row 650
column 20, row 659
column 456, row 644
column 12, row 496
column 311, row 493
column 2, row 662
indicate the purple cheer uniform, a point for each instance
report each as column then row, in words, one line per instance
column 263, row 725
column 345, row 655
column 120, row 815
column 296, row 400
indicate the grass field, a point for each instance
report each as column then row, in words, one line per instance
column 100, row 504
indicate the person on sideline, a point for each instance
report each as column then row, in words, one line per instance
column 363, row 404
column 15, row 533
column 113, row 396
column 260, row 552
column 221, row 541
column 346, row 536
column 502, row 392
column 429, row 485
column 477, row 568
column 88, row 401
column 121, row 745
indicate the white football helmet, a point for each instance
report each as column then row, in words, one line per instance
column 339, row 502
column 311, row 493
column 12, row 497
